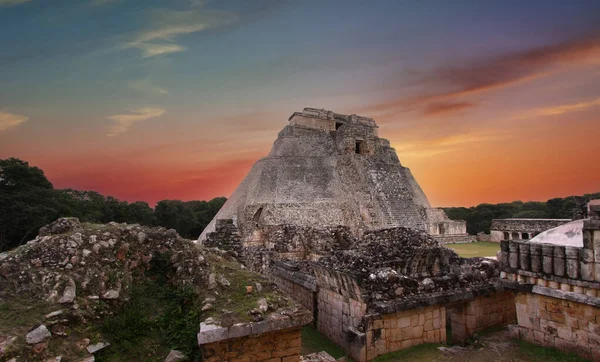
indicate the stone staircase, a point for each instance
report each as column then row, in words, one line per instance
column 395, row 199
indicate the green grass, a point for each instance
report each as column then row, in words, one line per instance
column 313, row 341
column 234, row 298
column 22, row 313
column 534, row 353
column 481, row 351
column 475, row 249
column 423, row 352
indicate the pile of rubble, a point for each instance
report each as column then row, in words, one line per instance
column 401, row 262
column 74, row 275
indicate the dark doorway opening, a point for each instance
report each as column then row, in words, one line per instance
column 338, row 125
column 257, row 214
column 358, row 148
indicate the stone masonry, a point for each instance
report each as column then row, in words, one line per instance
column 521, row 229
column 331, row 170
column 392, row 332
column 558, row 288
column 279, row 346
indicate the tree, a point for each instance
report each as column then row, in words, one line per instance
column 26, row 202
column 175, row 214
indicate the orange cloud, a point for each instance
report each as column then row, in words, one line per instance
column 443, row 87
column 434, row 109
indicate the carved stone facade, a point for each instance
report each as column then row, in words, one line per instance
column 327, row 169
column 558, row 300
column 521, row 229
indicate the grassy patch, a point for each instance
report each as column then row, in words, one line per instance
column 157, row 318
column 234, row 298
column 313, row 341
column 534, row 353
column 21, row 314
column 471, row 250
column 422, row 352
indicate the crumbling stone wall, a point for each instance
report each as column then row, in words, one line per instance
column 392, row 332
column 520, row 229
column 566, row 325
column 225, row 236
column 277, row 346
column 293, row 282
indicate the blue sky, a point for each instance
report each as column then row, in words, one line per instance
column 171, row 93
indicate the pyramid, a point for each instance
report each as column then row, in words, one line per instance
column 328, row 169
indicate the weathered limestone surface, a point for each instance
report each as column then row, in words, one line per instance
column 566, row 325
column 521, row 229
column 392, row 332
column 278, row 346
column 328, row 169
column 481, row 313
column 558, row 304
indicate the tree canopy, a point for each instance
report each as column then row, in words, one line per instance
column 28, row 201
column 479, row 218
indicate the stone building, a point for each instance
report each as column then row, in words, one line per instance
column 557, row 279
column 521, row 229
column 329, row 169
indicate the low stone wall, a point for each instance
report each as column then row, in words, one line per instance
column 299, row 293
column 481, row 313
column 392, row 332
column 278, row 346
column 455, row 239
column 337, row 315
column 566, row 325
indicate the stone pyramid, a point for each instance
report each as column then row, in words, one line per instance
column 329, row 169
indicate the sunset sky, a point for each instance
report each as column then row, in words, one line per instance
column 149, row 100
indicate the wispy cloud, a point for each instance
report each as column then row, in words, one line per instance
column 12, row 2
column 434, row 146
column 9, row 120
column 167, row 25
column 437, row 108
column 145, row 86
column 558, row 110
column 444, row 88
column 122, row 122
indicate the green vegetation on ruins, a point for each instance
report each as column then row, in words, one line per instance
column 492, row 346
column 164, row 285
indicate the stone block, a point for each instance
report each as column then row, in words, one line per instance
column 377, row 324
column 565, row 333
column 417, row 331
column 404, row 322
column 406, row 333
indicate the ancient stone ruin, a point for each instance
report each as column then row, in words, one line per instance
column 557, row 279
column 521, row 229
column 328, row 170
column 334, row 219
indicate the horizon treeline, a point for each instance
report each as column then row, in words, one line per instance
column 479, row 218
column 29, row 201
